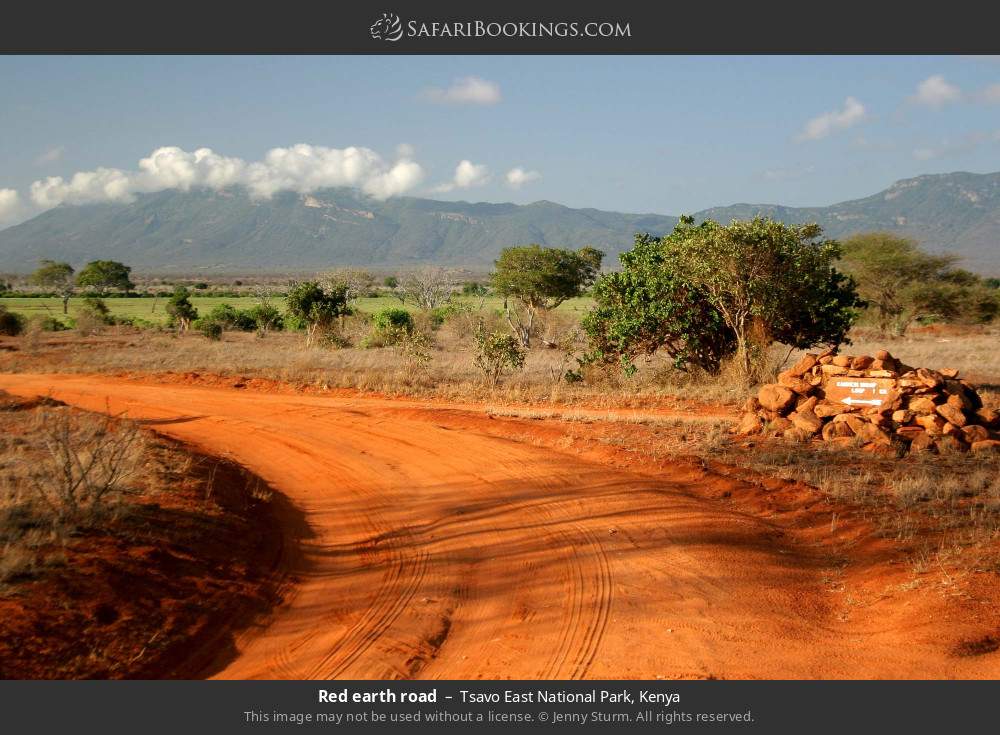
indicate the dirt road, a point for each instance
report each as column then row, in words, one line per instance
column 434, row 552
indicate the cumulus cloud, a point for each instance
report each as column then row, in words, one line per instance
column 936, row 91
column 50, row 156
column 10, row 207
column 518, row 177
column 466, row 91
column 300, row 168
column 467, row 175
column 823, row 125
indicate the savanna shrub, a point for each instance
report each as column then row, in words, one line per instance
column 211, row 329
column 11, row 324
column 392, row 318
column 497, row 353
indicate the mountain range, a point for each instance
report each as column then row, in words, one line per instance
column 228, row 231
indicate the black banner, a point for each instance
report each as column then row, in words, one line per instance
column 449, row 27
column 400, row 707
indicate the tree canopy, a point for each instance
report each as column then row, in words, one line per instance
column 708, row 291
column 316, row 306
column 534, row 279
column 105, row 274
column 902, row 284
column 55, row 275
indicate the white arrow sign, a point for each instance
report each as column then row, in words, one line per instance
column 862, row 401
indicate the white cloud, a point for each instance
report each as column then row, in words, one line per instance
column 518, row 177
column 85, row 187
column 467, row 175
column 50, row 156
column 10, row 207
column 823, row 125
column 936, row 91
column 300, row 168
column 466, row 91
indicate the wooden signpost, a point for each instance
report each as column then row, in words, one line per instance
column 865, row 392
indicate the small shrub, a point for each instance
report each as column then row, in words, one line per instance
column 49, row 324
column 497, row 354
column 211, row 329
column 87, row 463
column 392, row 318
column 11, row 324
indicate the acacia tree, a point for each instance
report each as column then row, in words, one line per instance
column 707, row 292
column 356, row 282
column 533, row 279
column 317, row 307
column 650, row 305
column 57, row 276
column 180, row 309
column 427, row 287
column 901, row 283
column 770, row 282
column 105, row 274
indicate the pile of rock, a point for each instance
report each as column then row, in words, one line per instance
column 877, row 403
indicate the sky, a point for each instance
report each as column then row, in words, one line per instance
column 662, row 134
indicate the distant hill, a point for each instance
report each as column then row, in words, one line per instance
column 956, row 213
column 228, row 231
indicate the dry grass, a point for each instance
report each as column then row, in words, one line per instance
column 450, row 372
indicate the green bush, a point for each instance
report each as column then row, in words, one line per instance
column 392, row 319
column 497, row 353
column 49, row 324
column 11, row 324
column 211, row 329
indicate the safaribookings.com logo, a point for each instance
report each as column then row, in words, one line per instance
column 390, row 28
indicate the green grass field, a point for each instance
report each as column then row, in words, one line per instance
column 153, row 310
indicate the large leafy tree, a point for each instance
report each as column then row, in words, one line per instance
column 770, row 282
column 57, row 276
column 901, row 283
column 317, row 307
column 705, row 292
column 105, row 274
column 533, row 279
column 651, row 305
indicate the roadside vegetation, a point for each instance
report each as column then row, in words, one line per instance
column 97, row 519
column 691, row 321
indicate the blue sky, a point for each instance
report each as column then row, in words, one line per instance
column 631, row 133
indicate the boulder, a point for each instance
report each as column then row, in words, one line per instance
column 931, row 423
column 828, row 410
column 775, row 398
column 909, row 433
column 794, row 383
column 862, row 362
column 973, row 433
column 806, row 421
column 751, row 423
column 987, row 446
column 951, row 444
column 778, row 426
column 806, row 363
column 922, row 405
column 834, row 429
column 951, row 414
column 903, row 416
